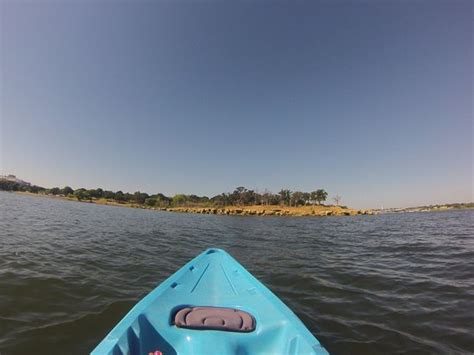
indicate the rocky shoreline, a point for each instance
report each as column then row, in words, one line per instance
column 255, row 210
column 305, row 211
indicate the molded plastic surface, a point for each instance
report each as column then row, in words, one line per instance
column 213, row 279
column 215, row 318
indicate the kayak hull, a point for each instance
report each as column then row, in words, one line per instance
column 212, row 279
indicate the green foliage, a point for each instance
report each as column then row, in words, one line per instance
column 150, row 201
column 119, row 196
column 82, row 194
column 140, row 197
column 9, row 185
column 300, row 198
column 96, row 193
column 55, row 191
column 178, row 200
column 35, row 189
column 319, row 195
column 241, row 196
column 285, row 196
column 221, row 200
column 67, row 191
column 110, row 195
column 162, row 200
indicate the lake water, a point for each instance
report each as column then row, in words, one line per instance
column 398, row 283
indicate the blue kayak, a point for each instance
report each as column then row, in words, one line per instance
column 212, row 305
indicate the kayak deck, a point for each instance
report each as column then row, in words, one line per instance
column 212, row 279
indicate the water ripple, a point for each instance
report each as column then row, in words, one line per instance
column 364, row 284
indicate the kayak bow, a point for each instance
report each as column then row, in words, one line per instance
column 212, row 305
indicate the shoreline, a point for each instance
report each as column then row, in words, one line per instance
column 102, row 201
column 274, row 210
column 262, row 210
column 254, row 210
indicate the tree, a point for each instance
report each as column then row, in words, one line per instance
column 337, row 199
column 179, row 199
column 110, row 195
column 266, row 197
column 297, row 198
column 249, row 197
column 193, row 199
column 7, row 185
column 140, row 197
column 221, row 200
column 67, row 191
column 35, row 189
column 55, row 191
column 119, row 196
column 274, row 199
column 239, row 195
column 306, row 197
column 319, row 195
column 82, row 194
column 96, row 193
column 285, row 196
column 162, row 200
column 150, row 201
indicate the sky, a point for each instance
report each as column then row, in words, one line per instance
column 370, row 100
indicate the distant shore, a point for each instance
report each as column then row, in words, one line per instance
column 429, row 208
column 262, row 210
column 241, row 201
column 255, row 210
column 99, row 201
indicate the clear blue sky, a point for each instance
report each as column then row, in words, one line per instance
column 371, row 100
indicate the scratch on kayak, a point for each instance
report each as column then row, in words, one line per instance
column 200, row 278
column 230, row 282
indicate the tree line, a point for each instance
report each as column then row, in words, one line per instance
column 241, row 196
